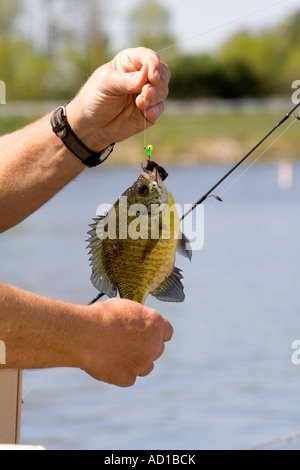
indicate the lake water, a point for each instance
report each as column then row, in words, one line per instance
column 226, row 380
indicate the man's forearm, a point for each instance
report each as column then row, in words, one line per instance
column 38, row 332
column 113, row 341
column 34, row 166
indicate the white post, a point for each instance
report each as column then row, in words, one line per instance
column 10, row 405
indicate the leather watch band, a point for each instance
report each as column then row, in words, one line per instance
column 62, row 129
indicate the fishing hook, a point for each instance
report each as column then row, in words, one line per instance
column 149, row 149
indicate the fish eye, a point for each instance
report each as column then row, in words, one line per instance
column 143, row 190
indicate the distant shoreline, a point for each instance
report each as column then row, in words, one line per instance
column 193, row 132
column 173, row 107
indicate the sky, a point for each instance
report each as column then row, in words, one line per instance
column 212, row 21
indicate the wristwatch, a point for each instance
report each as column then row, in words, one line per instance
column 62, row 129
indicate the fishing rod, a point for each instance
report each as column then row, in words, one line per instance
column 206, row 195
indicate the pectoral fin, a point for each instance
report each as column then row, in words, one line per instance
column 172, row 289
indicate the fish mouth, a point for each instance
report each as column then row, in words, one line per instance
column 156, row 185
column 153, row 176
column 151, row 166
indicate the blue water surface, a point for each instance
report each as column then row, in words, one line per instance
column 226, row 380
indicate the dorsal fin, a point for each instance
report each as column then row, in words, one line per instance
column 99, row 278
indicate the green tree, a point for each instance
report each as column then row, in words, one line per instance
column 149, row 25
column 9, row 12
column 54, row 63
column 290, row 30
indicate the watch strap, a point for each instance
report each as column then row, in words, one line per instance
column 62, row 129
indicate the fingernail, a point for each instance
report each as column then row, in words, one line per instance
column 157, row 74
column 152, row 92
column 154, row 110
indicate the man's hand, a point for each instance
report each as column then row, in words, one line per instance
column 120, row 99
column 114, row 341
column 121, row 340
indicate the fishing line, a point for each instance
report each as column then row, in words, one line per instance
column 145, row 131
column 224, row 25
column 35, row 384
column 203, row 33
column 280, row 123
column 253, row 163
column 279, row 440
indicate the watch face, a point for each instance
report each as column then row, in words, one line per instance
column 96, row 159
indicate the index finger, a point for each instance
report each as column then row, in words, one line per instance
column 168, row 332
